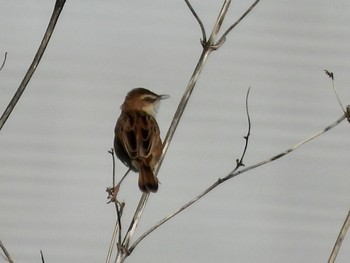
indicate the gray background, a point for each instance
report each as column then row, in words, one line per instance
column 54, row 165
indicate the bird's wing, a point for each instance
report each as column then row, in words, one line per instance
column 139, row 133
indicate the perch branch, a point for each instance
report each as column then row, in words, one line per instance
column 340, row 239
column 50, row 28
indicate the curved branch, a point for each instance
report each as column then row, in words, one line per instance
column 331, row 76
column 50, row 28
column 204, row 35
column 232, row 174
column 4, row 61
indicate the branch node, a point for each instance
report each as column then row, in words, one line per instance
column 218, row 44
column 329, row 74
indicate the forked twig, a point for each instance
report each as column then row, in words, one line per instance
column 340, row 239
column 50, row 28
column 223, row 37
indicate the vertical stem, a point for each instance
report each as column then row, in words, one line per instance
column 218, row 22
column 183, row 103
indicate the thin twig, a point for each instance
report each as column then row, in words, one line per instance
column 223, row 37
column 232, row 174
column 111, row 151
column 7, row 254
column 204, row 35
column 340, row 239
column 50, row 28
column 331, row 76
column 4, row 61
column 119, row 206
column 42, row 257
column 277, row 156
column 116, row 231
column 113, row 191
column 246, row 138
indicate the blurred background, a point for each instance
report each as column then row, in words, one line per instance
column 54, row 161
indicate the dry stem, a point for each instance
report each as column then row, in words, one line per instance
column 340, row 239
column 50, row 28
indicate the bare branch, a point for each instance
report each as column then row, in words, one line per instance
column 232, row 174
column 7, row 254
column 4, row 61
column 340, row 239
column 223, row 37
column 204, row 35
column 55, row 15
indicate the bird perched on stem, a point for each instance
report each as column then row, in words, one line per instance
column 137, row 140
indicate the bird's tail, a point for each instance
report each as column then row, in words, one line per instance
column 147, row 181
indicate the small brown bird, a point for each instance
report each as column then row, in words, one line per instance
column 137, row 140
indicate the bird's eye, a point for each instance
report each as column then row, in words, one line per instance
column 148, row 99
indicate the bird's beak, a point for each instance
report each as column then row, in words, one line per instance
column 163, row 97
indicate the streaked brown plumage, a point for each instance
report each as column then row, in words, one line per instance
column 137, row 140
